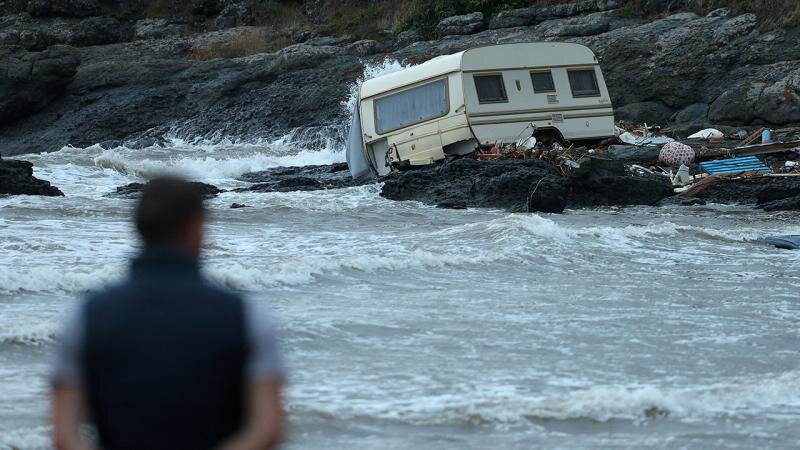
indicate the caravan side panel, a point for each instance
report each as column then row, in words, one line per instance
column 552, row 85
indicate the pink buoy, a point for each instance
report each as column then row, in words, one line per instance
column 675, row 154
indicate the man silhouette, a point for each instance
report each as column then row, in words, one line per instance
column 165, row 360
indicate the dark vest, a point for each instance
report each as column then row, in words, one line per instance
column 164, row 358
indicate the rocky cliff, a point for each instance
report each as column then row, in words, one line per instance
column 82, row 72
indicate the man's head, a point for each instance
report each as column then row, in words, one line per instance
column 171, row 212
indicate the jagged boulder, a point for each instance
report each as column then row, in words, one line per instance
column 134, row 190
column 786, row 204
column 31, row 80
column 654, row 113
column 16, row 178
column 512, row 184
column 511, row 18
column 459, row 25
column 306, row 178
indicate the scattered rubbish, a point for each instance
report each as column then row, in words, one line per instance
column 711, row 134
column 636, row 169
column 683, row 177
column 790, row 165
column 790, row 242
column 642, row 136
column 752, row 137
column 741, row 134
column 766, row 136
column 675, row 153
column 767, row 148
column 745, row 164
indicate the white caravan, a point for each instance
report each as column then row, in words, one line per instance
column 455, row 103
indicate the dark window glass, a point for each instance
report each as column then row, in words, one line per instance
column 490, row 88
column 583, row 83
column 411, row 106
column 543, row 82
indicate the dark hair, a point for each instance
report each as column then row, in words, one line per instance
column 166, row 207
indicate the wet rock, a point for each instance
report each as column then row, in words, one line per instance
column 134, row 190
column 407, row 37
column 16, row 178
column 786, row 204
column 459, row 25
column 31, row 80
column 306, row 178
column 752, row 191
column 487, row 184
column 694, row 114
column 605, row 182
column 239, row 205
column 651, row 113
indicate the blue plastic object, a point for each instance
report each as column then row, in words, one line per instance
column 791, row 242
column 766, row 136
column 735, row 165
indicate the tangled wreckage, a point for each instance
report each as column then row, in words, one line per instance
column 488, row 100
column 530, row 127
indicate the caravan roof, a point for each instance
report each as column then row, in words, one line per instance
column 502, row 56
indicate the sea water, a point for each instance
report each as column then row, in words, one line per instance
column 407, row 326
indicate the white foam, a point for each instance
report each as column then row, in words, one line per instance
column 34, row 438
column 28, row 333
column 763, row 397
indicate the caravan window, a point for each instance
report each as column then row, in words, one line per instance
column 543, row 81
column 583, row 83
column 411, row 106
column 490, row 88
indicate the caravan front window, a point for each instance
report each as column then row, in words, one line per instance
column 490, row 88
column 411, row 106
column 583, row 83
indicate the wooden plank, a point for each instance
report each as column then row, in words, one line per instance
column 752, row 137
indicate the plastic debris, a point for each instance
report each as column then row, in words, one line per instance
column 766, row 136
column 683, row 177
column 711, row 134
column 675, row 154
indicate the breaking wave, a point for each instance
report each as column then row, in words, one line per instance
column 35, row 438
column 764, row 397
column 28, row 334
column 306, row 270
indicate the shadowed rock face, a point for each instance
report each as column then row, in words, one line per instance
column 16, row 178
column 307, row 178
column 30, row 81
column 134, row 190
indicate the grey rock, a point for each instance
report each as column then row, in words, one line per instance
column 511, row 18
column 652, row 113
column 787, row 204
column 134, row 190
column 306, row 178
column 16, row 178
column 31, row 80
column 365, row 47
column 407, row 37
column 694, row 114
column 234, row 15
column 566, row 9
column 460, row 25
column 588, row 25
column 158, row 29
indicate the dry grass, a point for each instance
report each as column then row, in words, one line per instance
column 257, row 41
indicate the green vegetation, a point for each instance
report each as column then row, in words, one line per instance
column 258, row 41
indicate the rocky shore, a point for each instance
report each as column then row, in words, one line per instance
column 16, row 178
column 82, row 72
column 87, row 72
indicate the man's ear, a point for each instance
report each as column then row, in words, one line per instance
column 193, row 234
